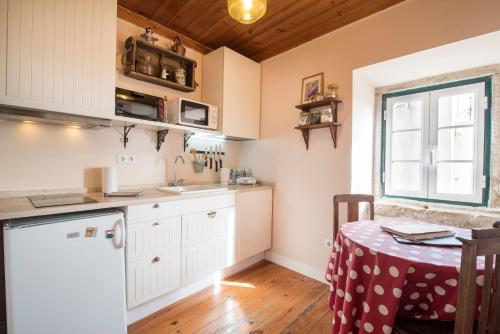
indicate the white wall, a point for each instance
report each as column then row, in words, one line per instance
column 307, row 180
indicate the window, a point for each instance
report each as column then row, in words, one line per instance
column 435, row 143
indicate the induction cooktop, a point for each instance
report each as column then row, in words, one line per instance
column 58, row 200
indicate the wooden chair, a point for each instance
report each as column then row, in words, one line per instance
column 353, row 201
column 484, row 242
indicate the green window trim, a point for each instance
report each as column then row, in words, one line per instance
column 487, row 80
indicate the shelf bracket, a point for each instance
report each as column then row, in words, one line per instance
column 333, row 132
column 305, row 135
column 126, row 131
column 187, row 136
column 160, row 138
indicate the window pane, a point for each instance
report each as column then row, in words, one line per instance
column 405, row 176
column 456, row 109
column 407, row 115
column 456, row 144
column 455, row 178
column 406, row 145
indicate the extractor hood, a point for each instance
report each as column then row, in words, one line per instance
column 15, row 114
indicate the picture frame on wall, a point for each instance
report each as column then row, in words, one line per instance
column 312, row 86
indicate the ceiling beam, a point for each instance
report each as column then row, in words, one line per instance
column 141, row 21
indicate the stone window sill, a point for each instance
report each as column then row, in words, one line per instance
column 438, row 213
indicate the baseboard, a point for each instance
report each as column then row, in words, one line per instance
column 141, row 311
column 296, row 266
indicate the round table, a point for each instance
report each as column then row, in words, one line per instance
column 373, row 278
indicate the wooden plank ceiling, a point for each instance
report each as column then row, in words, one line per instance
column 206, row 24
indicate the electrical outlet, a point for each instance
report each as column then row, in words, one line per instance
column 121, row 158
column 328, row 243
column 125, row 159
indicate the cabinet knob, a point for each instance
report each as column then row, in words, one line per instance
column 212, row 214
column 156, row 224
column 156, row 259
column 156, row 205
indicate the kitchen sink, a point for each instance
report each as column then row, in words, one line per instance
column 193, row 189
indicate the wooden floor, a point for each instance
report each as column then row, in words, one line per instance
column 265, row 298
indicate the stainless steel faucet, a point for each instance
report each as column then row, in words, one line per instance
column 181, row 181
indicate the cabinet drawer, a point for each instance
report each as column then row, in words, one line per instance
column 203, row 259
column 147, row 238
column 203, row 226
column 150, row 211
column 152, row 277
column 207, row 203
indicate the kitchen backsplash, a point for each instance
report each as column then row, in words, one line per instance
column 47, row 157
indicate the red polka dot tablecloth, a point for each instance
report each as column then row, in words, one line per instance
column 373, row 278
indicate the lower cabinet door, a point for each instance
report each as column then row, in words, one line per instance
column 254, row 222
column 205, row 258
column 151, row 277
column 152, row 237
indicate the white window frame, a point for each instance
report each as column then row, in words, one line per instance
column 424, row 97
column 429, row 131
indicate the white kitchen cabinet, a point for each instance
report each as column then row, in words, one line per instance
column 197, row 227
column 254, row 210
column 149, row 238
column 203, row 259
column 153, row 250
column 208, row 236
column 182, row 241
column 152, row 211
column 152, row 277
column 232, row 82
column 58, row 55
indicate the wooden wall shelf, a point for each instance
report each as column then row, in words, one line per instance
column 159, row 58
column 306, row 107
column 316, row 104
column 305, row 131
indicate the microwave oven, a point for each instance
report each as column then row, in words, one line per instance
column 138, row 105
column 192, row 113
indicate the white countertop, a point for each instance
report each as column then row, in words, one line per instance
column 21, row 207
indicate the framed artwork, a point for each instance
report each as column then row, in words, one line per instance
column 311, row 86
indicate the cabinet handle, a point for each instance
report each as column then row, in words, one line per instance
column 156, row 259
column 156, row 206
column 212, row 214
column 156, row 224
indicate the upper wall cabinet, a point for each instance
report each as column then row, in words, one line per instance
column 58, row 55
column 232, row 82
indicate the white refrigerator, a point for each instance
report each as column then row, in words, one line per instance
column 66, row 274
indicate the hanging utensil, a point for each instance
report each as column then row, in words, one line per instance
column 216, row 158
column 210, row 156
column 193, row 154
column 205, row 156
column 220, row 155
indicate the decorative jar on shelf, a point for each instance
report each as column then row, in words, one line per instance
column 180, row 76
column 315, row 117
column 304, row 118
column 332, row 91
column 326, row 115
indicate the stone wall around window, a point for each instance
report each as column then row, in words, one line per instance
column 437, row 212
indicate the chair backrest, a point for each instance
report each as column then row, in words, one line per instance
column 352, row 201
column 484, row 242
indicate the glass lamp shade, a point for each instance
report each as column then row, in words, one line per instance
column 247, row 11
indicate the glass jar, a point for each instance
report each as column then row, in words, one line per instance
column 180, row 76
column 326, row 115
column 304, row 118
column 315, row 117
column 332, row 91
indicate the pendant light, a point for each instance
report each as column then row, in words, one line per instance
column 247, row 11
